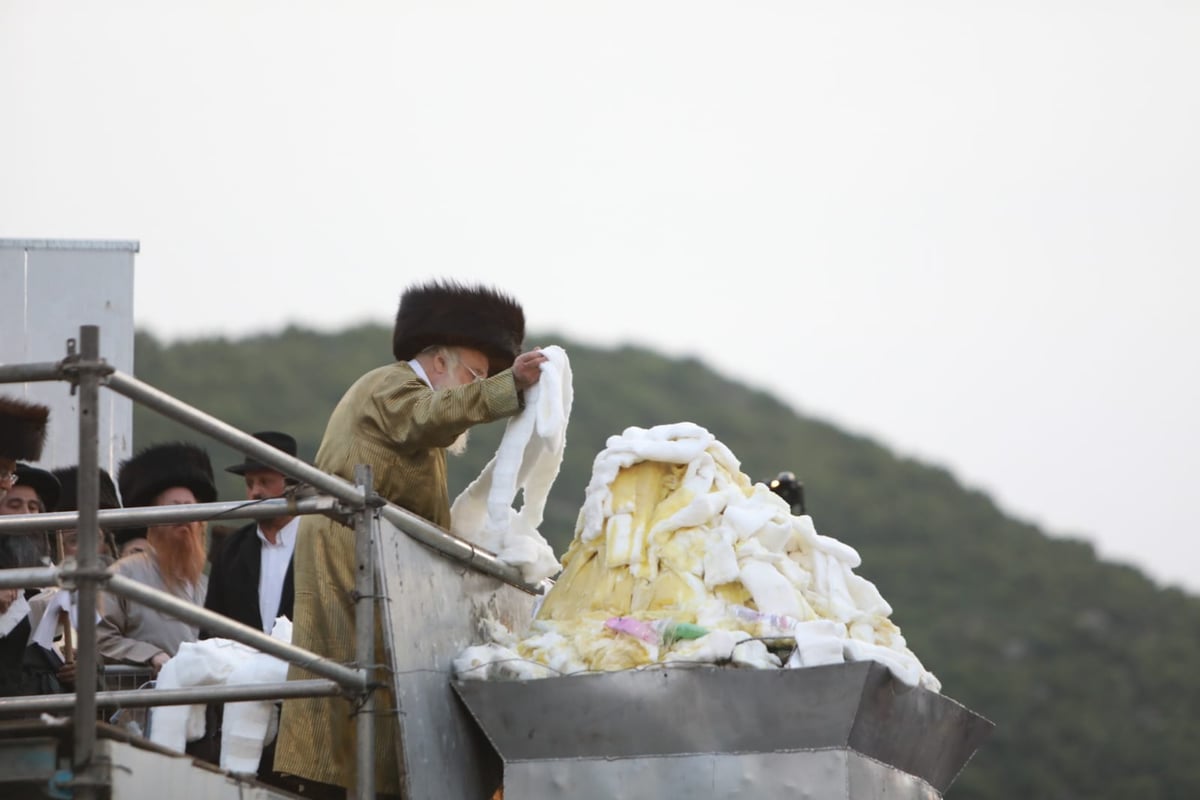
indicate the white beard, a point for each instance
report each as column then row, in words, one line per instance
column 459, row 445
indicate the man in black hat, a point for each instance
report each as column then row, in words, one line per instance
column 33, row 491
column 250, row 579
column 164, row 474
column 251, row 575
column 458, row 363
column 22, row 436
column 68, row 500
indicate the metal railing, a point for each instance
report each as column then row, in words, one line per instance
column 355, row 503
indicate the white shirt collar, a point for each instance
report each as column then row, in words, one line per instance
column 417, row 368
column 286, row 536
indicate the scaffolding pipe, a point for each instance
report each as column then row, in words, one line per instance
column 32, row 373
column 147, row 698
column 29, row 577
column 230, row 629
column 225, row 433
column 458, row 549
column 87, row 558
column 365, row 532
column 140, row 517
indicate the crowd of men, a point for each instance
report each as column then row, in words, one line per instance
column 458, row 361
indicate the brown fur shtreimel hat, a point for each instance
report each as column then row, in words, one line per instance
column 22, row 429
column 454, row 314
column 162, row 466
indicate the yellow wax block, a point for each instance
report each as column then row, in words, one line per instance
column 613, row 651
column 683, row 550
column 734, row 594
column 588, row 586
column 618, row 540
column 670, row 591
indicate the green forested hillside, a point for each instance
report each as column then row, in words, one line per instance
column 1090, row 671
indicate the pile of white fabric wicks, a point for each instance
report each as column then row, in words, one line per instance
column 714, row 572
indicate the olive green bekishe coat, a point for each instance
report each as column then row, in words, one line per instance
column 391, row 420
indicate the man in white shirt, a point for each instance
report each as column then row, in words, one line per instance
column 251, row 575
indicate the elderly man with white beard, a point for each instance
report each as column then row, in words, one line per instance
column 458, row 363
column 165, row 474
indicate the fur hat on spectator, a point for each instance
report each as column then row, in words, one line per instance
column 68, row 499
column 162, row 466
column 22, row 429
column 158, row 468
column 453, row 314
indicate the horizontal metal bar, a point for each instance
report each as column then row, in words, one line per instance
column 28, row 577
column 461, row 550
column 148, row 698
column 130, row 245
column 118, row 670
column 31, row 373
column 230, row 629
column 157, row 515
column 209, row 425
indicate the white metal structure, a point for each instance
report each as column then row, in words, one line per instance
column 48, row 289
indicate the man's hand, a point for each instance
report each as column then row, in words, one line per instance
column 527, row 369
column 7, row 598
column 66, row 675
column 157, row 662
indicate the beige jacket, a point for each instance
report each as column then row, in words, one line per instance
column 391, row 420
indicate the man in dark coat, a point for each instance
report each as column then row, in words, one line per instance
column 22, row 436
column 35, row 491
column 251, row 575
column 68, row 500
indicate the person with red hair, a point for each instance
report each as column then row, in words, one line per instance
column 164, row 474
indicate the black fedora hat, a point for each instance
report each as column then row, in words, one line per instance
column 43, row 483
column 280, row 441
column 68, row 500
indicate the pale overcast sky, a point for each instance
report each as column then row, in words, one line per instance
column 969, row 230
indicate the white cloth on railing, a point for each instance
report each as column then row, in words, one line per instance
column 249, row 725
column 12, row 616
column 221, row 662
column 527, row 460
column 44, row 615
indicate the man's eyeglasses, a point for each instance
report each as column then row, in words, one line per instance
column 476, row 377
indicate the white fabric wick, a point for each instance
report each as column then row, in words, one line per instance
column 47, row 627
column 216, row 662
column 528, row 460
